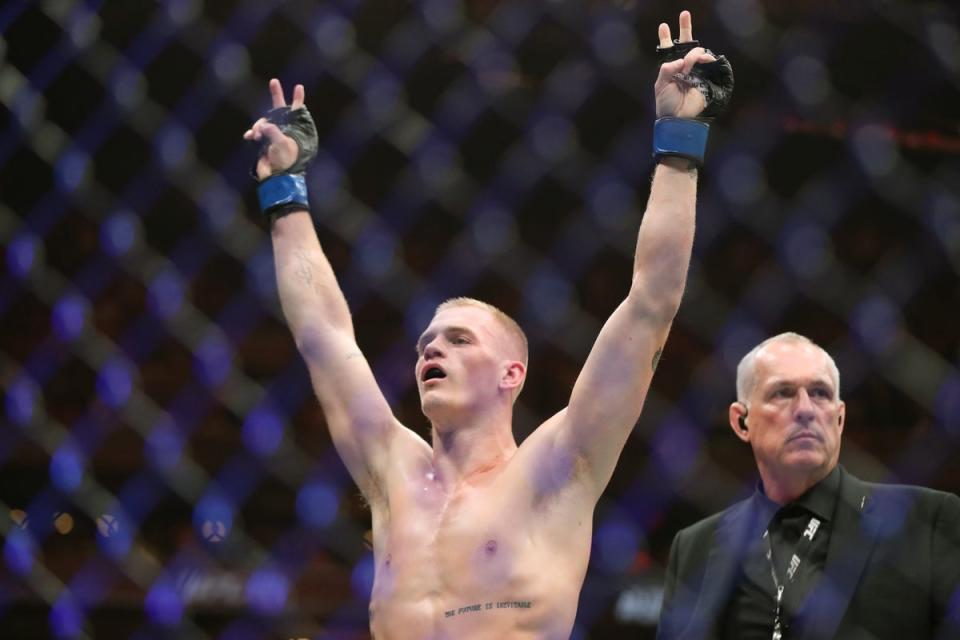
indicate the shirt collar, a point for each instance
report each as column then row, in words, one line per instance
column 820, row 499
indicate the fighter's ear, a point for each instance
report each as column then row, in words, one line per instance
column 514, row 373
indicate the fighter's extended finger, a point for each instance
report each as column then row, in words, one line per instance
column 663, row 32
column 686, row 27
column 276, row 93
column 297, row 101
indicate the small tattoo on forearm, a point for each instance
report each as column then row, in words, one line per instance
column 304, row 268
column 487, row 606
column 656, row 358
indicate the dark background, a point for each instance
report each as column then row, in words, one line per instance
column 164, row 468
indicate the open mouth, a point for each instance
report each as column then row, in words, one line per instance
column 433, row 373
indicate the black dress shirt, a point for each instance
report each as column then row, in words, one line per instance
column 752, row 607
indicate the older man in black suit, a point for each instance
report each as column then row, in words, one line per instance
column 815, row 552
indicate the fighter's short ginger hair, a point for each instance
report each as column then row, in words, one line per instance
column 517, row 339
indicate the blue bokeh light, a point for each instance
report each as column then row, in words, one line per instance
column 21, row 400
column 114, row 535
column 376, row 251
column 115, row 382
column 213, row 359
column 549, row 295
column 611, row 203
column 119, row 233
column 22, row 254
column 494, row 230
column 163, row 604
column 71, row 169
column 19, row 551
column 213, row 516
column 173, row 144
column 876, row 321
column 317, row 504
column 70, row 315
column 66, row 618
column 219, row 206
column 333, row 34
column 616, row 543
column 263, row 431
column 164, row 445
column 267, row 590
column 166, row 293
column 361, row 578
column 677, row 445
column 66, row 468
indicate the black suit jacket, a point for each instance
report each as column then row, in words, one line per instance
column 892, row 568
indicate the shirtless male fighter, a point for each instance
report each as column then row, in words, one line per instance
column 473, row 536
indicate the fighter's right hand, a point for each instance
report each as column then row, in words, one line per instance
column 279, row 151
column 675, row 95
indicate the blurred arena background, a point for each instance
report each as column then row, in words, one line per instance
column 164, row 468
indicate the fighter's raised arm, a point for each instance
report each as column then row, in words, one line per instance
column 361, row 423
column 609, row 393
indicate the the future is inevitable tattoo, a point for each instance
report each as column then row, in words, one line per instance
column 487, row 606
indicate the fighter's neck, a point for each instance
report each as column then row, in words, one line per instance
column 465, row 451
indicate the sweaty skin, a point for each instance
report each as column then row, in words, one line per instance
column 475, row 537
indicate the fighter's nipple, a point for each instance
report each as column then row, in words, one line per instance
column 490, row 548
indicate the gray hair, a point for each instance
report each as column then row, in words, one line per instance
column 747, row 369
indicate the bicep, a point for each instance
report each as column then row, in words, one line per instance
column 609, row 393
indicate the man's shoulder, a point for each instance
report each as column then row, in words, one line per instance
column 711, row 523
column 901, row 497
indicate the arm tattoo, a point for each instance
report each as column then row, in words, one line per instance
column 656, row 358
column 304, row 268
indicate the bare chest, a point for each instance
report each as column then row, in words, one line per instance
column 484, row 554
column 473, row 538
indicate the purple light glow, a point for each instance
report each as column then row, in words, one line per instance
column 119, row 233
column 317, row 504
column 164, row 445
column 115, row 383
column 70, row 316
column 18, row 551
column 163, row 604
column 263, row 432
column 66, row 468
column 166, row 293
column 213, row 360
column 22, row 254
column 22, row 396
column 361, row 578
column 267, row 591
column 616, row 543
column 66, row 618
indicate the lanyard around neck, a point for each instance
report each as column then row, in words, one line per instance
column 799, row 553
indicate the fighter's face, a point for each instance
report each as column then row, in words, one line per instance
column 460, row 359
column 795, row 416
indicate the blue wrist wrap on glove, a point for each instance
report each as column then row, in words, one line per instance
column 680, row 137
column 281, row 191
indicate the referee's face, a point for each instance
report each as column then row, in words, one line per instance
column 795, row 417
